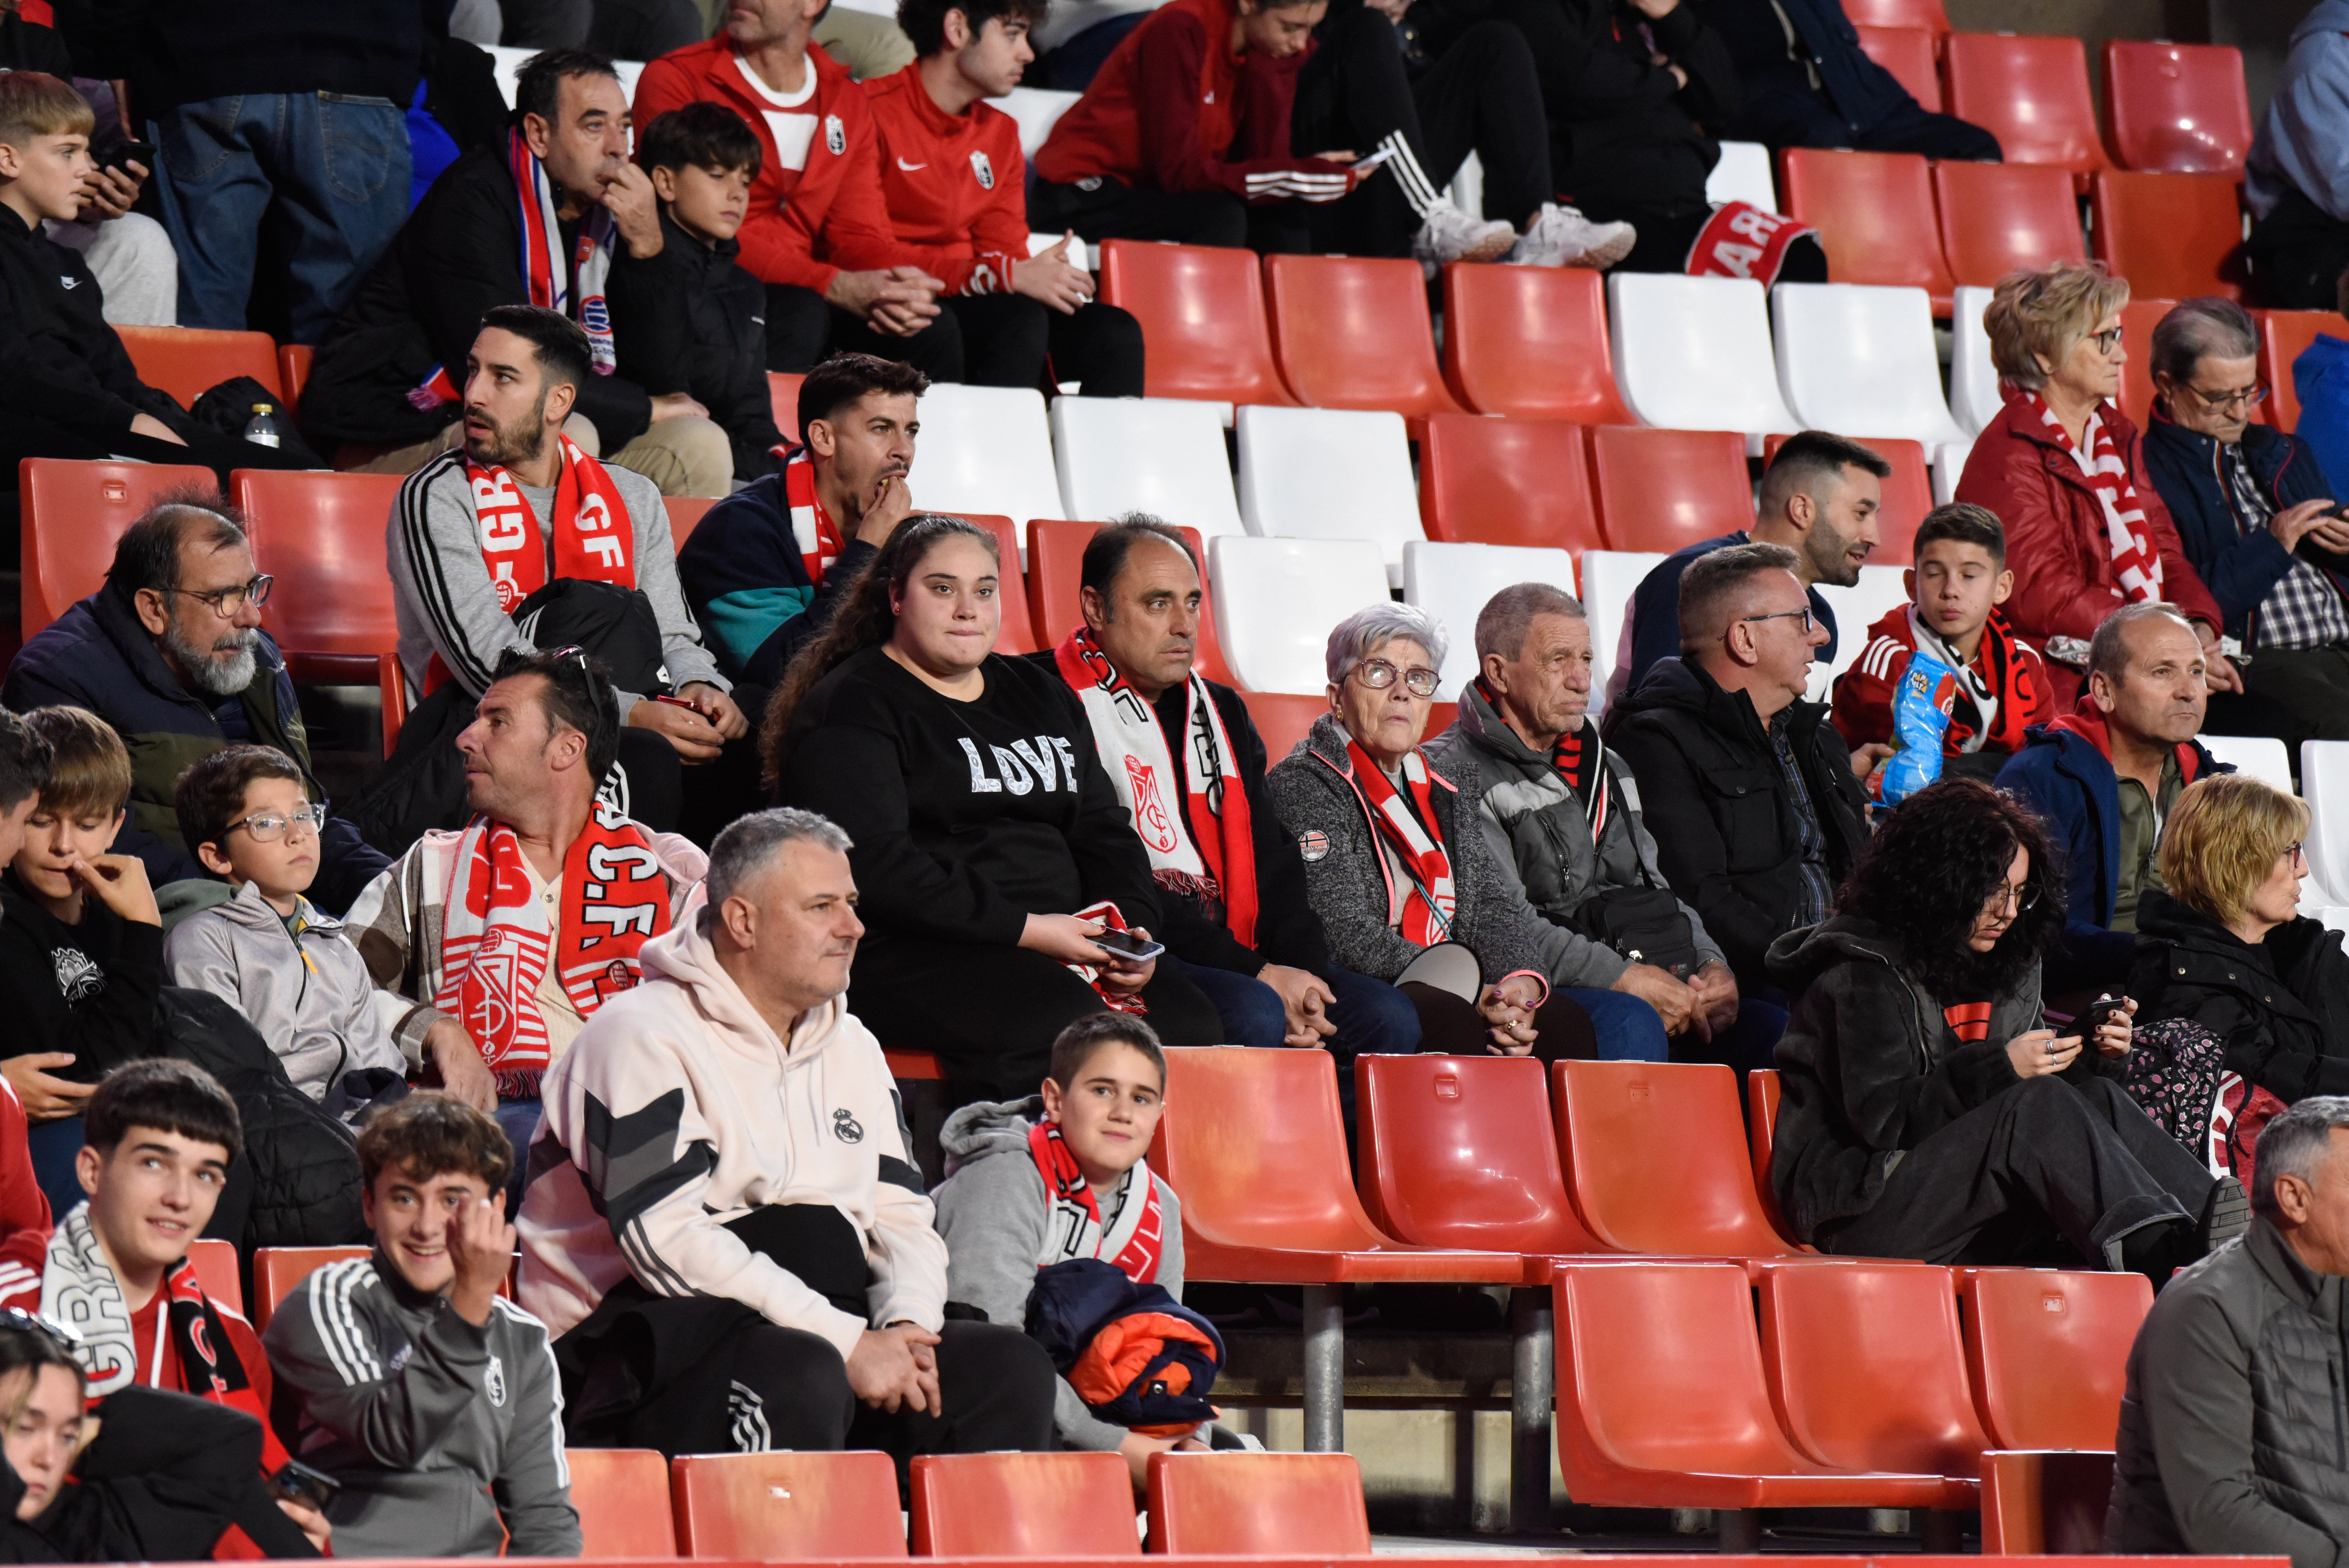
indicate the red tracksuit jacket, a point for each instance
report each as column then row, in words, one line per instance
column 954, row 184
column 25, row 1220
column 2013, row 669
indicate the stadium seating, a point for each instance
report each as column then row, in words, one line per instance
column 685, row 515
column 784, row 1505
column 2284, row 335
column 1352, row 332
column 1693, row 354
column 1079, row 254
column 216, row 1269
column 278, row 1270
column 1610, row 577
column 1974, row 399
column 321, row 536
column 1655, row 1156
column 1276, row 599
column 1743, row 174
column 1908, row 53
column 1949, row 467
column 1872, row 209
column 1763, row 1091
column 1507, row 481
column 2177, row 108
column 1908, row 495
column 1074, row 1504
column 2029, row 91
column 73, row 512
column 1282, row 719
column 1257, row 1505
column 2262, row 757
column 391, row 687
column 1861, row 361
column 1202, row 311
column 2038, row 1502
column 1661, row 490
column 1163, row 456
column 2325, row 785
column 1925, row 13
column 1857, row 608
column 1037, row 110
column 1530, row 342
column 189, row 361
column 783, row 400
column 2171, row 235
column 2048, row 1353
column 1998, row 218
column 1328, row 473
column 2138, row 318
column 1017, row 632
column 622, row 1496
column 293, row 362
column 1056, row 551
column 985, row 449
column 1454, row 582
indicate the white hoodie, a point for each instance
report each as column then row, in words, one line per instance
column 678, row 1110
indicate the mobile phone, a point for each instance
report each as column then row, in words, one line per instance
column 1127, row 945
column 2101, row 1011
column 142, row 153
column 1364, row 165
column 297, row 1483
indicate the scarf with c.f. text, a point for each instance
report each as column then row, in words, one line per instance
column 79, row 1288
column 1426, row 916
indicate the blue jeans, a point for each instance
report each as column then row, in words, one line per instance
column 55, row 1149
column 518, row 1120
column 1751, row 1042
column 1629, row 1029
column 1373, row 1019
column 338, row 167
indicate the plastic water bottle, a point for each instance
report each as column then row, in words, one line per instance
column 262, row 429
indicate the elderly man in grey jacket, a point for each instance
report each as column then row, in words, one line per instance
column 1561, row 817
column 2239, row 1384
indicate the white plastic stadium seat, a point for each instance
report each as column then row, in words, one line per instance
column 1860, row 361
column 1949, row 461
column 2262, row 757
column 1079, row 254
column 1610, row 578
column 1973, row 379
column 1743, row 175
column 1856, row 609
column 1693, row 354
column 1159, row 455
column 1036, row 108
column 2325, row 785
column 1277, row 600
column 507, row 64
column 1453, row 583
column 985, row 450
column 1328, row 473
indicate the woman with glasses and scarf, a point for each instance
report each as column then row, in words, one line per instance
column 1396, row 864
column 1930, row 1111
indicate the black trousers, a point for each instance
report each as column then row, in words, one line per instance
column 2046, row 1166
column 803, row 329
column 2298, row 251
column 1000, row 340
column 1786, row 117
column 990, row 1014
column 1451, row 1028
column 1113, row 210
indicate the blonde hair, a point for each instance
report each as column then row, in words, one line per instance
column 2222, row 839
column 92, row 774
column 2036, row 317
column 35, row 103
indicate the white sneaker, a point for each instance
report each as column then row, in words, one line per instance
column 1563, row 237
column 1451, row 235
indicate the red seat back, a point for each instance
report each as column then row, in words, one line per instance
column 293, row 362
column 1077, row 1505
column 622, row 1496
column 2036, row 1502
column 2174, row 235
column 1056, row 558
column 1201, row 313
column 783, row 401
column 278, row 1270
column 2048, row 1351
column 1763, row 1090
column 1507, row 481
column 2284, row 335
column 1284, row 719
column 1908, row 496
column 1875, row 216
column 685, row 515
column 74, row 513
column 2138, row 318
column 1908, row 53
column 1659, row 490
column 2177, row 108
column 1925, row 13
column 321, row 535
column 1457, row 1151
column 785, row 1505
column 2000, row 218
column 1352, row 332
column 2029, row 91
column 1017, row 633
column 189, row 361
column 216, row 1271
column 1257, row 1505
column 1530, row 342
column 1656, row 1159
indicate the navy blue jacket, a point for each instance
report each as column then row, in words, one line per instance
column 1863, row 92
column 748, row 584
column 2240, row 568
column 1076, row 1301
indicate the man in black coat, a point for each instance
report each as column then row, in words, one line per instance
column 1809, row 84
column 1755, row 803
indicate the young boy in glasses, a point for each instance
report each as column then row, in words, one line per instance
column 261, row 945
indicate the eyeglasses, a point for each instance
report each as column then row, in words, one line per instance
column 1787, row 616
column 2299, row 857
column 2010, row 897
column 228, row 602
column 2106, row 341
column 268, row 827
column 64, row 1336
column 2243, row 397
column 1378, row 675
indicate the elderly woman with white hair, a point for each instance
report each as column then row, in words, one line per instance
column 1398, row 870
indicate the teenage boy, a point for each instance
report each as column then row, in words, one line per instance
column 687, row 318
column 955, row 181
column 1958, row 581
column 406, row 1378
column 266, row 951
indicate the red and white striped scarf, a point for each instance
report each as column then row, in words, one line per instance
column 551, row 283
column 817, row 535
column 1426, row 917
column 1072, row 1224
column 2136, row 566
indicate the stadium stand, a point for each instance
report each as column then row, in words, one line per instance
column 786, row 1505
column 1275, row 600
column 2171, row 235
column 1056, row 549
column 2048, row 1351
column 1974, row 399
column 1908, row 496
column 985, row 449
column 2262, row 757
column 2029, row 92
column 783, row 398
column 1506, row 482
column 2138, row 318
column 1531, row 343
column 1328, row 473
column 1763, row 1090
column 1257, row 1504
column 1159, row 455
column 622, row 1496
column 1352, row 332
column 1910, row 55
column 2176, row 108
column 278, row 1270
column 1659, row 489
column 1610, row 577
column 1202, row 315
column 216, row 1268
column 1926, row 13
column 1743, row 174
column 1072, row 1504
column 2325, row 785
column 73, row 513
column 1693, row 354
column 1454, row 582
column 187, row 361
column 685, row 514
column 2038, row 1502
column 322, row 537
column 1861, row 361
column 2283, row 335
column 1017, row 632
column 1998, row 218
column 1655, row 1156
column 1870, row 208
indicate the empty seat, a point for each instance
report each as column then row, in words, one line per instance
column 1659, row 489
column 1258, row 1505
column 321, row 536
column 2048, row 1352
column 1163, row 456
column 986, row 450
column 1507, row 481
column 1454, row 583
column 2029, row 91
column 1857, row 608
column 1079, row 255
column 783, row 401
column 2000, row 218
column 1352, row 332
column 1076, row 1505
column 1056, row 553
column 1610, row 577
column 1202, row 311
column 1743, row 174
column 1861, row 361
column 1328, row 473
column 1909, row 54
column 189, row 361
column 2325, row 785
column 2172, row 235
column 1693, row 354
column 1925, row 13
column 73, row 514
column 2177, row 108
column 1908, row 496
column 278, row 1270
column 1874, row 212
column 685, row 515
column 2284, row 335
column 1655, row 1155
column 782, row 1505
column 1975, row 397
column 1276, row 601
column 1530, row 342
column 2036, row 1502
column 622, row 1496
column 2262, row 757
column 216, row 1269
column 2138, row 318
column 1035, row 110
column 1948, row 466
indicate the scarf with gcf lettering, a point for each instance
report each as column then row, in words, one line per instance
column 79, row 1288
column 2135, row 565
column 595, row 538
column 1072, row 1224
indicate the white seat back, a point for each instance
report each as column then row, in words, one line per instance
column 1328, row 473
column 1610, row 578
column 1973, row 379
column 1036, row 109
column 2325, row 785
column 2262, row 757
column 1860, row 361
column 1159, row 455
column 1857, row 608
column 1743, row 175
column 1949, row 461
column 1080, row 253
column 1454, row 583
column 1693, row 354
column 985, row 450
column 1277, row 601
column 506, row 65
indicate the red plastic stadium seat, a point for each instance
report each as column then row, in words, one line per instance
column 1909, row 54
column 2029, row 92
column 391, row 689
column 293, row 362
column 1056, row 555
column 2048, row 1351
column 1925, row 13
column 1282, row 719
column 2138, row 318
column 1659, row 490
column 215, row 1261
column 622, row 1496
column 915, row 1066
column 1656, row 1157
column 1077, row 1505
column 1507, row 481
column 2284, row 335
column 73, row 514
column 685, row 514
column 1352, row 332
column 321, row 536
column 1874, row 212
column 2036, row 1502
column 1016, row 634
column 1202, row 311
column 278, row 1270
column 783, row 399
column 1998, row 218
column 1530, row 342
column 2175, row 235
column 1763, row 1090
column 784, row 1505
column 2177, row 109
column 1257, row 1505
column 1908, row 495
column 189, row 361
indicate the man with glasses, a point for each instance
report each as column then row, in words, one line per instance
column 2256, row 514
column 170, row 652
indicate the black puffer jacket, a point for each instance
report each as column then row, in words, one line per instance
column 166, row 1474
column 2280, row 1006
column 689, row 319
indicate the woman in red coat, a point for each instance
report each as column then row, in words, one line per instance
column 2065, row 472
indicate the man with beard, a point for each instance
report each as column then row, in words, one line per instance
column 170, row 652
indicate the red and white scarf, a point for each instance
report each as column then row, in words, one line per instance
column 1134, row 751
column 812, row 527
column 1072, row 1221
column 496, row 944
column 1426, row 915
column 551, row 283
column 1741, row 240
column 595, row 538
column 2136, row 566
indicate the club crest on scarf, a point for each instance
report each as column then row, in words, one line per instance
column 576, row 290
column 595, row 538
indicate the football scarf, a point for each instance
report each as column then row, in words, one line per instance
column 1426, row 917
column 1741, row 240
column 1132, row 747
column 2002, row 686
column 78, row 1289
column 812, row 527
column 2135, row 567
column 595, row 538
column 1072, row 1225
column 549, row 281
column 496, row 944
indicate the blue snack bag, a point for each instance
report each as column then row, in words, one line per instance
column 1920, row 716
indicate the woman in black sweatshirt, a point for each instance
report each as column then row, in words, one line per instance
column 982, row 821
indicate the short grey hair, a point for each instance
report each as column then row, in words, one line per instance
column 1372, row 627
column 2108, row 649
column 2296, row 1143
column 1503, row 623
column 2199, row 329
column 748, row 844
column 1714, row 578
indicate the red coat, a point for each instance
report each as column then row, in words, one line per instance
column 2055, row 538
column 956, row 185
column 25, row 1221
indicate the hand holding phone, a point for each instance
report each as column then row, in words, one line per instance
column 1128, row 947
column 297, row 1483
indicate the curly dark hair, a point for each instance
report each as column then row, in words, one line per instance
column 1933, row 863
